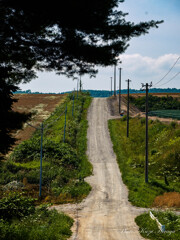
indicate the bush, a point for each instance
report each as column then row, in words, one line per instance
column 60, row 154
column 149, row 229
column 41, row 225
column 16, row 206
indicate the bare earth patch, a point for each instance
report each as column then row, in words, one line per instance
column 41, row 105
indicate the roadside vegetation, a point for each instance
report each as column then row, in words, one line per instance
column 148, row 227
column 164, row 107
column 164, row 158
column 65, row 164
column 156, row 103
column 19, row 219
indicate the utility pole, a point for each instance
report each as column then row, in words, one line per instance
column 128, row 108
column 73, row 104
column 115, row 80
column 77, row 87
column 146, row 160
column 120, row 90
column 111, row 86
column 80, row 84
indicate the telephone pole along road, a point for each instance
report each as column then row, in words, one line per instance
column 106, row 213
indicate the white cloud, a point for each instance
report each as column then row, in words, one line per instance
column 138, row 68
column 146, row 69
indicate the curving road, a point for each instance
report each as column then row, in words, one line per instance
column 106, row 213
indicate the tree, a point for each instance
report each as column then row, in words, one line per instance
column 69, row 36
column 9, row 120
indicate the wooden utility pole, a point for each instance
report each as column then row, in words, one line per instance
column 80, row 84
column 128, row 108
column 111, row 86
column 146, row 158
column 120, row 90
column 115, row 80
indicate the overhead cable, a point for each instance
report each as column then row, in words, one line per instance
column 168, row 71
column 170, row 79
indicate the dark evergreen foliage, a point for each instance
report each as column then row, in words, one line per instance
column 70, row 37
column 66, row 36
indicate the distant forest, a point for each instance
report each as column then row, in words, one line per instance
column 105, row 93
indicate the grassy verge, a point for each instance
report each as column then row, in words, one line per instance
column 149, row 229
column 65, row 164
column 21, row 220
column 164, row 158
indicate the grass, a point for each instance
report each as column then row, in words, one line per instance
column 65, row 165
column 164, row 158
column 19, row 219
column 148, row 227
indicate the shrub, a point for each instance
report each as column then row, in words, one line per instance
column 41, row 225
column 16, row 206
column 60, row 154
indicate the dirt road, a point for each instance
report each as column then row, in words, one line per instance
column 106, row 213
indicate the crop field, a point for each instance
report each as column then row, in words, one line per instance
column 174, row 95
column 175, row 114
column 40, row 105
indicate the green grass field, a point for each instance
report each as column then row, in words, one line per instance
column 20, row 219
column 164, row 158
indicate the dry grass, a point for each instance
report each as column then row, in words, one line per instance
column 168, row 200
column 174, row 95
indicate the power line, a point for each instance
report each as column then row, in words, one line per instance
column 170, row 79
column 167, row 72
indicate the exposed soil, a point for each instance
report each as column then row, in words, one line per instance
column 41, row 105
column 174, row 95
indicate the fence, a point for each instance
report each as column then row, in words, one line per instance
column 42, row 132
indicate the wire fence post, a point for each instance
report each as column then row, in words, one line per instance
column 65, row 125
column 41, row 153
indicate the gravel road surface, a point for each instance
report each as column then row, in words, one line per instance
column 106, row 214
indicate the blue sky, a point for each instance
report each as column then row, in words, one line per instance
column 148, row 58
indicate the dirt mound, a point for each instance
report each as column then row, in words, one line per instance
column 171, row 199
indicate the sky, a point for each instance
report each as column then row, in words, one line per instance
column 151, row 57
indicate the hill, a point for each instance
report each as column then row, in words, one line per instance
column 107, row 93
